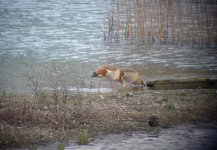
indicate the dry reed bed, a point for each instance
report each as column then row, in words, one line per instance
column 182, row 22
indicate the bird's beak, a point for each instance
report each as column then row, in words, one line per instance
column 94, row 74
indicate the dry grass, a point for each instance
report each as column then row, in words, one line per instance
column 57, row 114
column 24, row 120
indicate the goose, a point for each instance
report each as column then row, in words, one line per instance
column 109, row 72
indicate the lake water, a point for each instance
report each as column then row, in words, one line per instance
column 36, row 34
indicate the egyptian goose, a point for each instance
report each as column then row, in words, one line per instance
column 110, row 72
column 131, row 76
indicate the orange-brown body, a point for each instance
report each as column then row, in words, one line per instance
column 131, row 76
column 110, row 72
column 121, row 75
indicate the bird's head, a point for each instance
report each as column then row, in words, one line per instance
column 94, row 74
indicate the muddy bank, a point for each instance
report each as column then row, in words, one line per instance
column 26, row 121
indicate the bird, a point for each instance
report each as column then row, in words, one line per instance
column 131, row 76
column 110, row 72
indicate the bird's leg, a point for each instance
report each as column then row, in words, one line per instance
column 145, row 85
column 130, row 85
column 99, row 82
column 123, row 86
column 112, row 87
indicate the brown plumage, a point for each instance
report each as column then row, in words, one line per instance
column 110, row 72
column 131, row 76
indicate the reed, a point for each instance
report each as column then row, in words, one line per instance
column 182, row 22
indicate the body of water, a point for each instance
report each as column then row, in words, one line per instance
column 36, row 34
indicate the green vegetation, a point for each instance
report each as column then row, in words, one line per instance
column 83, row 137
column 195, row 117
column 169, row 105
column 4, row 94
column 33, row 147
column 61, row 146
column 40, row 96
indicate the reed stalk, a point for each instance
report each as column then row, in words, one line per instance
column 182, row 22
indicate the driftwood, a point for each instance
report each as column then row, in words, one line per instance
column 194, row 83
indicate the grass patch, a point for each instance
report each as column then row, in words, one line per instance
column 4, row 94
column 169, row 105
column 195, row 117
column 61, row 146
column 33, row 147
column 83, row 137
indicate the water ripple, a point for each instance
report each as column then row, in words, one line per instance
column 37, row 32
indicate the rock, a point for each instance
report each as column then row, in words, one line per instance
column 153, row 121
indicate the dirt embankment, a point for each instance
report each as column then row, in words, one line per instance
column 24, row 120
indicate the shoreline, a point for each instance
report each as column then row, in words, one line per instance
column 27, row 121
